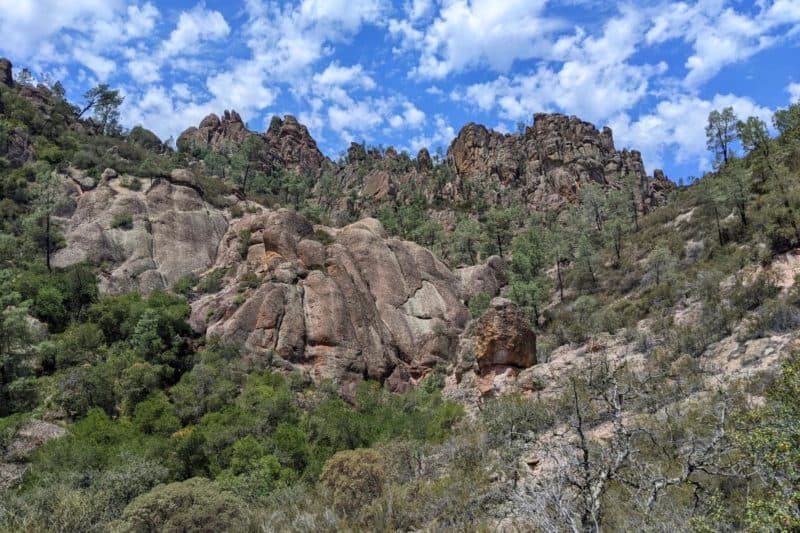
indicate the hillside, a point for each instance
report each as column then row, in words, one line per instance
column 525, row 332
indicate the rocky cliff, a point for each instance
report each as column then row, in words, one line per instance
column 548, row 163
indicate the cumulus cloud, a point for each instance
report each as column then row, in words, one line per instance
column 794, row 92
column 720, row 35
column 594, row 81
column 476, row 33
column 442, row 135
column 84, row 31
column 195, row 26
column 677, row 126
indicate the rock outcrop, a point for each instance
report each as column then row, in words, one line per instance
column 293, row 147
column 215, row 133
column 363, row 306
column 288, row 145
column 6, row 72
column 503, row 337
column 547, row 165
column 151, row 231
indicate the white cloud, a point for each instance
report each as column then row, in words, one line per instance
column 677, row 126
column 794, row 92
column 335, row 75
column 475, row 33
column 442, row 136
column 85, row 31
column 595, row 81
column 193, row 27
column 720, row 35
column 410, row 117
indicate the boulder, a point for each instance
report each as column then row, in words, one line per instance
column 6, row 72
column 503, row 337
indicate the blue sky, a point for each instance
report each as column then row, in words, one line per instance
column 411, row 73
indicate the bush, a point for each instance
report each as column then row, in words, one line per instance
column 213, row 281
column 354, row 478
column 129, row 182
column 478, row 304
column 122, row 221
column 184, row 285
column 196, row 504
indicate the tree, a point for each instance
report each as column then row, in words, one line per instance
column 617, row 225
column 592, row 199
column 466, row 241
column 245, row 161
column 105, row 102
column 787, row 121
column 720, row 133
column 755, row 140
column 500, row 224
column 47, row 194
column 586, row 258
column 660, row 262
column 736, row 189
column 529, row 285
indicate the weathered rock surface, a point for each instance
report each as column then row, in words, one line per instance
column 6, row 72
column 28, row 438
column 548, row 163
column 365, row 306
column 288, row 144
column 172, row 231
column 214, row 133
column 503, row 337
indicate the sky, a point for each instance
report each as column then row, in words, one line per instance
column 411, row 73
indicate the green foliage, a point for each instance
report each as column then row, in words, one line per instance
column 529, row 286
column 354, row 478
column 212, row 282
column 122, row 221
column 720, row 133
column 192, row 505
column 478, row 304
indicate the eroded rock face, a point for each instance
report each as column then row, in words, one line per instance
column 364, row 306
column 170, row 232
column 503, row 337
column 288, row 144
column 6, row 72
column 293, row 147
column 215, row 133
column 550, row 161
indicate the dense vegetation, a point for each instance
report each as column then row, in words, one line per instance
column 167, row 431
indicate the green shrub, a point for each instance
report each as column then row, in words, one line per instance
column 354, row 478
column 244, row 243
column 185, row 284
column 130, row 182
column 249, row 280
column 324, row 237
column 212, row 282
column 196, row 504
column 478, row 304
column 122, row 221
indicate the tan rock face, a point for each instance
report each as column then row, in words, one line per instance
column 363, row 306
column 172, row 233
column 288, row 144
column 6, row 75
column 547, row 163
column 502, row 337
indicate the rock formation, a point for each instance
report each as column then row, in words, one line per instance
column 6, row 72
column 152, row 231
column 548, row 163
column 288, row 144
column 364, row 306
column 503, row 337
